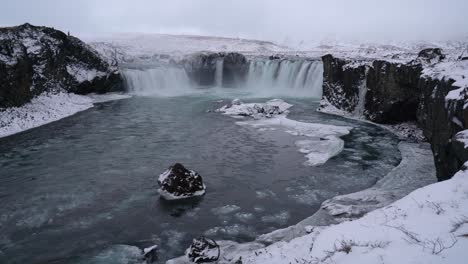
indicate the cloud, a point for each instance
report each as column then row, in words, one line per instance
column 277, row 20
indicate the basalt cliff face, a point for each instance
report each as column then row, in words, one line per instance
column 38, row 59
column 206, row 69
column 393, row 92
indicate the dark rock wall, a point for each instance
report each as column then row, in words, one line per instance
column 341, row 84
column 36, row 59
column 441, row 120
column 397, row 93
column 392, row 95
column 201, row 68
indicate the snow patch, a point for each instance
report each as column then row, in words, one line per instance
column 43, row 109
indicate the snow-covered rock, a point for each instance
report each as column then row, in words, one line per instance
column 38, row 59
column 203, row 250
column 255, row 110
column 177, row 182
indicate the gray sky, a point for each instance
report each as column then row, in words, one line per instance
column 277, row 20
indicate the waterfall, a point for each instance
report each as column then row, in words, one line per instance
column 361, row 105
column 219, row 72
column 259, row 77
column 287, row 77
column 158, row 81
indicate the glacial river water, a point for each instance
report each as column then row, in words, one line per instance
column 72, row 190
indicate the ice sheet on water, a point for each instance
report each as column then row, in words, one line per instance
column 117, row 254
column 323, row 141
column 232, row 231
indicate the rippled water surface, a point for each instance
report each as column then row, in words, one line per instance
column 77, row 187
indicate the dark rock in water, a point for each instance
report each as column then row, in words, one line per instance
column 203, row 250
column 177, row 182
column 38, row 59
column 267, row 109
column 150, row 255
column 274, row 57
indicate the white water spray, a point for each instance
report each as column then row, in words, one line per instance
column 157, row 81
column 286, row 77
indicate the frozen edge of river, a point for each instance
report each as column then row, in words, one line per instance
column 415, row 171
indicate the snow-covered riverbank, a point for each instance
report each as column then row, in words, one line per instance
column 47, row 108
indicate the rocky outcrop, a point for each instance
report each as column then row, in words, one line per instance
column 206, row 69
column 177, row 182
column 398, row 92
column 392, row 92
column 341, row 83
column 38, row 59
column 203, row 250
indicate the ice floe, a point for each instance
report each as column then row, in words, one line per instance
column 323, row 141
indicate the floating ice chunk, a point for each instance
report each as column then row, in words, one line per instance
column 259, row 209
column 224, row 210
column 320, row 151
column 244, row 217
column 279, row 218
column 264, row 194
column 256, row 110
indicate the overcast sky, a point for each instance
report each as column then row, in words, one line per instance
column 278, row 20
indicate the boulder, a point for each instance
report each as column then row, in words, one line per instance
column 177, row 182
column 203, row 250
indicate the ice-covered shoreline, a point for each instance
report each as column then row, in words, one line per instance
column 47, row 108
column 416, row 159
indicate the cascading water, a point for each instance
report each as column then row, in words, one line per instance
column 286, row 77
column 264, row 78
column 219, row 73
column 157, row 81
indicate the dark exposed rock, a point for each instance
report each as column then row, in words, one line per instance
column 201, row 68
column 203, row 250
column 397, row 92
column 235, row 69
column 37, row 59
column 341, row 84
column 177, row 182
column 392, row 95
column 435, row 117
column 431, row 55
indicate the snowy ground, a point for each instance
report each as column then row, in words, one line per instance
column 430, row 225
column 129, row 47
column 47, row 108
